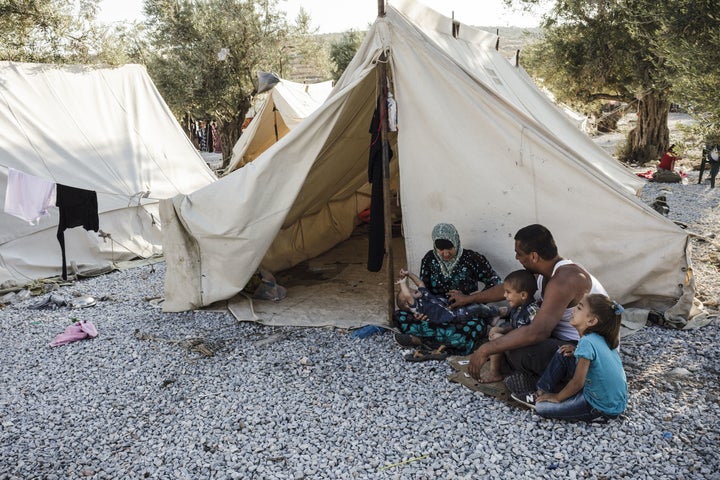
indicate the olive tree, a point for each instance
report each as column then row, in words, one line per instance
column 59, row 31
column 207, row 54
column 689, row 41
column 599, row 51
column 343, row 50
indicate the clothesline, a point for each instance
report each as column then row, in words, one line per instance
column 29, row 197
column 139, row 195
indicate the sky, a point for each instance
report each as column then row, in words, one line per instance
column 342, row 15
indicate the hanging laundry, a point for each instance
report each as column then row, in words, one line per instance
column 202, row 132
column 28, row 197
column 78, row 207
column 209, row 136
column 216, row 139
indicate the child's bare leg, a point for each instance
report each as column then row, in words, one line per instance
column 493, row 372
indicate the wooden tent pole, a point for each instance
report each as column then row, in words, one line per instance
column 277, row 137
column 382, row 106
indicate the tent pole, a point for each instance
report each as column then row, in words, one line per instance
column 382, row 105
column 275, row 119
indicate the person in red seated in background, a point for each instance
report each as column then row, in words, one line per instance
column 667, row 162
column 666, row 168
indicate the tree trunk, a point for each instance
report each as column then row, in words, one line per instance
column 189, row 129
column 608, row 117
column 230, row 130
column 651, row 136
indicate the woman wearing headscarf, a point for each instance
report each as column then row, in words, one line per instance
column 448, row 266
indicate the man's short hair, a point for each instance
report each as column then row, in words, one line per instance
column 536, row 238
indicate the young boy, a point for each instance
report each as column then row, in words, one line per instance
column 520, row 287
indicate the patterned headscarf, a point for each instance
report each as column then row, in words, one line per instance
column 447, row 232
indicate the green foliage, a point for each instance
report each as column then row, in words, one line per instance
column 343, row 51
column 590, row 53
column 689, row 41
column 634, row 50
column 308, row 56
column 187, row 37
column 595, row 51
column 207, row 54
column 57, row 31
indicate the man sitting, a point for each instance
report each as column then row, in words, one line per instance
column 562, row 284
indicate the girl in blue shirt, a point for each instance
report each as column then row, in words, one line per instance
column 597, row 386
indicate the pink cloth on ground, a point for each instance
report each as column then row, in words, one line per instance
column 74, row 332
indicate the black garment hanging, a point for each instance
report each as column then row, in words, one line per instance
column 376, row 228
column 77, row 207
column 209, row 136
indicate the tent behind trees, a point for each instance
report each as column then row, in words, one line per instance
column 101, row 129
column 285, row 106
column 476, row 146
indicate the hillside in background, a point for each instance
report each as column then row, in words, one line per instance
column 513, row 39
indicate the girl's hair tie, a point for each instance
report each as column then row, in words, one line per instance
column 617, row 308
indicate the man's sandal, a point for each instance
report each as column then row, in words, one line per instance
column 424, row 356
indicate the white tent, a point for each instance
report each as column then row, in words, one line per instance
column 579, row 120
column 476, row 147
column 285, row 106
column 101, row 129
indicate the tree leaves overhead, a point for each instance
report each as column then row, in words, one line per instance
column 187, row 37
column 689, row 41
column 598, row 50
column 633, row 50
column 58, row 31
column 343, row 51
column 590, row 53
column 207, row 54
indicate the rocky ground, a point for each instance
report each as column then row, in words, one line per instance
column 198, row 395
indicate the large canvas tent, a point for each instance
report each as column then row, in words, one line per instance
column 101, row 129
column 476, row 146
column 579, row 120
column 285, row 106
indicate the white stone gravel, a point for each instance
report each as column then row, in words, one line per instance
column 297, row 403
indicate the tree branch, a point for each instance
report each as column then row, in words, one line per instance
column 607, row 96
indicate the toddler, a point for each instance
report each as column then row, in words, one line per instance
column 519, row 291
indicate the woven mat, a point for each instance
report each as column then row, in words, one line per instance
column 461, row 376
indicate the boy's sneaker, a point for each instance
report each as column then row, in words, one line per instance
column 521, row 383
column 528, row 399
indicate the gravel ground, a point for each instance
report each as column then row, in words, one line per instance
column 197, row 395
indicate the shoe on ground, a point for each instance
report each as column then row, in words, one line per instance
column 528, row 399
column 521, row 383
column 405, row 340
column 424, row 356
